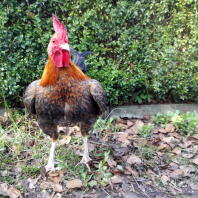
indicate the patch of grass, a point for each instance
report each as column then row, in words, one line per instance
column 106, row 125
column 147, row 153
column 186, row 123
column 30, row 171
column 145, row 130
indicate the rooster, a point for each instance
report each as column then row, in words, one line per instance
column 64, row 96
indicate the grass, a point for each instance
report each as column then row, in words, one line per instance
column 23, row 145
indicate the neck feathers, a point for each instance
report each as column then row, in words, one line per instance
column 51, row 73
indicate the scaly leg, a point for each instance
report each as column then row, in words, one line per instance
column 50, row 164
column 85, row 159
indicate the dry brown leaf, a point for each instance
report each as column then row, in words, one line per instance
column 56, row 177
column 116, row 179
column 111, row 162
column 186, row 144
column 188, row 170
column 169, row 128
column 133, row 159
column 11, row 192
column 195, row 160
column 130, row 171
column 45, row 185
column 32, row 182
column 194, row 187
column 138, row 124
column 155, row 130
column 187, row 155
column 193, row 137
column 162, row 146
column 168, row 140
column 57, row 187
column 176, row 151
column 173, row 166
column 122, row 137
column 75, row 183
column 177, row 173
column 162, row 130
column 129, row 123
column 165, row 178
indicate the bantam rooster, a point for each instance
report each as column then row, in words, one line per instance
column 64, row 96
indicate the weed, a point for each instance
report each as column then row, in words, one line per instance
column 145, row 130
column 147, row 152
column 103, row 125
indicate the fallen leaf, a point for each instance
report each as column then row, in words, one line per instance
column 188, row 170
column 186, row 144
column 177, row 173
column 56, row 177
column 169, row 128
column 120, row 151
column 138, row 124
column 129, row 123
column 122, row 137
column 195, row 161
column 11, row 192
column 188, row 155
column 32, row 182
column 57, row 187
column 111, row 162
column 165, row 179
column 194, row 187
column 168, row 140
column 176, row 151
column 116, row 179
column 45, row 185
column 162, row 130
column 193, row 137
column 130, row 171
column 173, row 166
column 75, row 183
column 162, row 146
column 133, row 159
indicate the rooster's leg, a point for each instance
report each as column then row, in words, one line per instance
column 85, row 158
column 50, row 164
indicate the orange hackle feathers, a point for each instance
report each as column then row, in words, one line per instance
column 51, row 73
column 74, row 72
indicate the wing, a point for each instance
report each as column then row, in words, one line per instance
column 29, row 97
column 98, row 95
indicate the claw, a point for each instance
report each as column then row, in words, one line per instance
column 85, row 160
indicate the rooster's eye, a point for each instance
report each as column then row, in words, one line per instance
column 53, row 41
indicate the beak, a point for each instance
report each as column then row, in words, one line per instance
column 65, row 46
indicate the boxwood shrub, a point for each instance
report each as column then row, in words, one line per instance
column 144, row 51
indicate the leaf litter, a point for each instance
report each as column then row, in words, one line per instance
column 161, row 163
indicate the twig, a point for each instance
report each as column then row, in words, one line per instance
column 140, row 187
column 106, row 192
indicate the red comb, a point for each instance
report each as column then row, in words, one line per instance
column 59, row 28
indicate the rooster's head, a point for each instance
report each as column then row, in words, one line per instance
column 58, row 47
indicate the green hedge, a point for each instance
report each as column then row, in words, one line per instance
column 160, row 38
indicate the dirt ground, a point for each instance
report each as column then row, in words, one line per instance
column 131, row 158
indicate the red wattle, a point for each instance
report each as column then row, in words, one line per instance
column 61, row 58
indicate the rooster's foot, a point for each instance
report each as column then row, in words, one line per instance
column 85, row 160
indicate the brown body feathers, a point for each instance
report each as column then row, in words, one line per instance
column 65, row 96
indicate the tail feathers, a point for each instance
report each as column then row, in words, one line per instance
column 79, row 58
column 29, row 97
